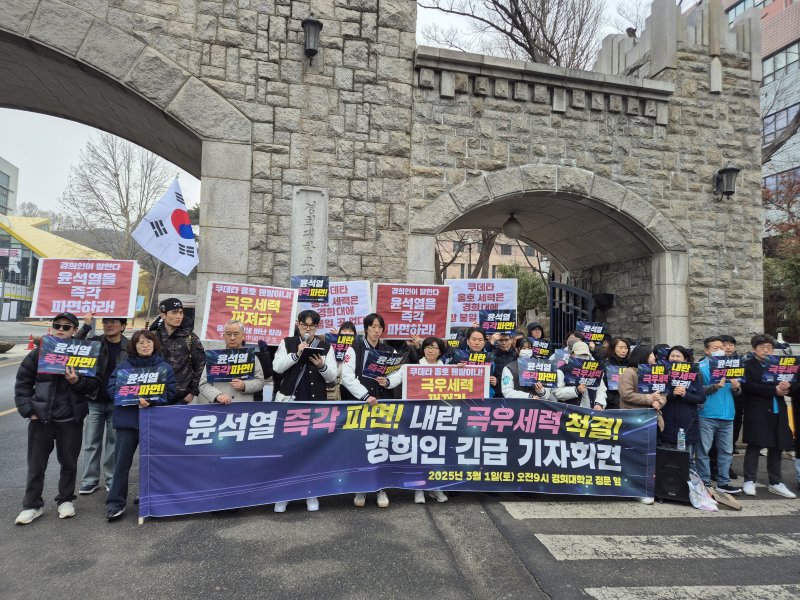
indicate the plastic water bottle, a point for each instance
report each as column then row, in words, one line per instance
column 681, row 439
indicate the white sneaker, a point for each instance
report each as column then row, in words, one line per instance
column 439, row 496
column 749, row 488
column 781, row 490
column 419, row 497
column 360, row 500
column 280, row 507
column 646, row 500
column 67, row 510
column 312, row 504
column 28, row 515
column 383, row 499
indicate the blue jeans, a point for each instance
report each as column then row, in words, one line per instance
column 98, row 422
column 720, row 431
column 127, row 442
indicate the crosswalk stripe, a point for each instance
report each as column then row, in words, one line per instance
column 720, row 592
column 629, row 508
column 658, row 547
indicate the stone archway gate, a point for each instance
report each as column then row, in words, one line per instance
column 384, row 142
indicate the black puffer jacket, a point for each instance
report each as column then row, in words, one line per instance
column 105, row 368
column 185, row 354
column 35, row 394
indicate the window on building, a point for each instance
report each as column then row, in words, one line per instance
column 738, row 8
column 505, row 249
column 494, row 271
column 5, row 182
column 779, row 180
column 780, row 63
column 458, row 246
column 775, row 123
column 530, row 251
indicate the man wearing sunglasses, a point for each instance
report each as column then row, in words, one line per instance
column 56, row 406
column 113, row 347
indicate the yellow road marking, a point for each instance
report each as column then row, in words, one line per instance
column 8, row 412
column 10, row 364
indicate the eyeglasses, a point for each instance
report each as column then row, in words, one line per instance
column 62, row 326
column 308, row 325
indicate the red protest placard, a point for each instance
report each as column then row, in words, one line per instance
column 106, row 288
column 410, row 308
column 267, row 312
column 445, row 382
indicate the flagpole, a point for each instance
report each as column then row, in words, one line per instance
column 153, row 290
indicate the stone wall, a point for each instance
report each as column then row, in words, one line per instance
column 631, row 282
column 476, row 114
column 380, row 132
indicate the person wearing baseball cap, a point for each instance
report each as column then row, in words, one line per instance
column 56, row 406
column 181, row 348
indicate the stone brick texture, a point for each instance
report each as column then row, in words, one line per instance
column 387, row 140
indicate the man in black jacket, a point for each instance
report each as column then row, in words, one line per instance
column 56, row 406
column 181, row 348
column 113, row 350
column 766, row 419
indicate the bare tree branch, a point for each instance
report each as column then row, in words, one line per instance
column 111, row 189
column 769, row 150
column 558, row 32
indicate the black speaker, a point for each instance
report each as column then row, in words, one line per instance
column 672, row 473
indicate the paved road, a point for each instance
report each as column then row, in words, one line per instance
column 475, row 546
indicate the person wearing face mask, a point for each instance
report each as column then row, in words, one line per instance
column 680, row 411
column 579, row 395
column 510, row 384
column 504, row 353
column 716, row 420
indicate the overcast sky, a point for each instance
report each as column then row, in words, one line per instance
column 43, row 148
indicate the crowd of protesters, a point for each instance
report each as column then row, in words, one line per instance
column 72, row 412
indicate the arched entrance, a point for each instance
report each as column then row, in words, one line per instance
column 101, row 76
column 604, row 235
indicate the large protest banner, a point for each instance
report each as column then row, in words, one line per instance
column 470, row 296
column 445, row 382
column 410, row 308
column 347, row 301
column 268, row 313
column 106, row 288
column 199, row 458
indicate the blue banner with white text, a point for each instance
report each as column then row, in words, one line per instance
column 200, row 458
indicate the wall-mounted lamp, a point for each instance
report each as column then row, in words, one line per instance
column 512, row 228
column 311, row 27
column 725, row 181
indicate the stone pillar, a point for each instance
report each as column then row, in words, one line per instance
column 224, row 216
column 670, row 301
column 309, row 253
column 421, row 258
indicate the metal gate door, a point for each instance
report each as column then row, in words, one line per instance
column 567, row 306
